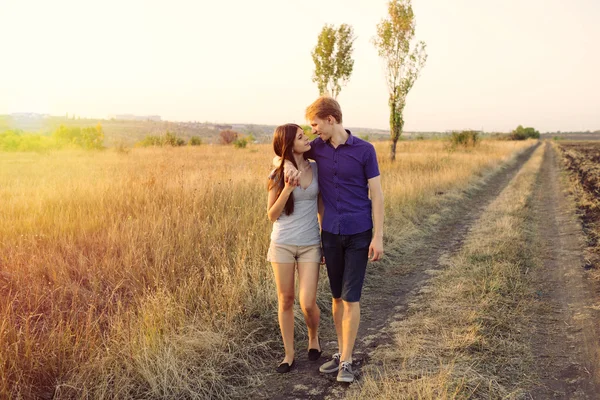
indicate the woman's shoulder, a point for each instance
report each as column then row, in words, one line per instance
column 313, row 166
column 273, row 175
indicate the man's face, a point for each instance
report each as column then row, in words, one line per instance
column 322, row 127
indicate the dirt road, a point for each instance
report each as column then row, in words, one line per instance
column 566, row 332
column 563, row 329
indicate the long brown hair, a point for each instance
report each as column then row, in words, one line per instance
column 283, row 145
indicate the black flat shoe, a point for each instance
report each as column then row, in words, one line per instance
column 284, row 368
column 314, row 354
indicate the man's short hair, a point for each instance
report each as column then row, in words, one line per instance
column 323, row 107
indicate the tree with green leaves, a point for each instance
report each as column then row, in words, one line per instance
column 524, row 133
column 333, row 59
column 308, row 131
column 395, row 34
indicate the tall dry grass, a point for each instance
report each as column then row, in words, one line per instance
column 144, row 275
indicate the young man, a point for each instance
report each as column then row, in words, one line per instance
column 352, row 223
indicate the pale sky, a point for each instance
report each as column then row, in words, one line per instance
column 492, row 64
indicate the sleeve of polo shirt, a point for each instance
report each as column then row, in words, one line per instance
column 371, row 166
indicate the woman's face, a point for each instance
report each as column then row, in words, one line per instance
column 301, row 143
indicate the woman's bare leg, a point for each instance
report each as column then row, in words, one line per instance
column 284, row 278
column 308, row 279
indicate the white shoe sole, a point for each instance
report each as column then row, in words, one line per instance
column 348, row 380
column 329, row 371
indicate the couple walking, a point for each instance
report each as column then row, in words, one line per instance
column 330, row 193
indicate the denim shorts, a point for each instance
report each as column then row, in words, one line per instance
column 346, row 257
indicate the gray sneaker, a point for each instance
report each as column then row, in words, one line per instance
column 331, row 365
column 345, row 373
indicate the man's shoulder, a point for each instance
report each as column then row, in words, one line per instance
column 317, row 142
column 362, row 144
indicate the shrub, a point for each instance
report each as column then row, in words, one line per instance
column 172, row 140
column 195, row 141
column 92, row 137
column 228, row 136
column 465, row 139
column 240, row 143
column 16, row 140
column 75, row 137
column 518, row 136
column 151, row 141
column 87, row 138
column 169, row 139
column 521, row 133
column 308, row 131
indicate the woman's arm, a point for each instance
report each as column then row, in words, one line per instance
column 276, row 204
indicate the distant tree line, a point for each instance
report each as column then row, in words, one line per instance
column 226, row 137
column 89, row 138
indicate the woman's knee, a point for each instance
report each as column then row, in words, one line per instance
column 309, row 306
column 286, row 300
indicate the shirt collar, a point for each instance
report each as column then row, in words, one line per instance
column 350, row 140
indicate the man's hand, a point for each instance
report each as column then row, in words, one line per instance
column 288, row 187
column 292, row 175
column 376, row 249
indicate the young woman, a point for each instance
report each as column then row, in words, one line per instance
column 295, row 239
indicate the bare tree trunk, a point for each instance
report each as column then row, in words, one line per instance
column 393, row 150
column 396, row 124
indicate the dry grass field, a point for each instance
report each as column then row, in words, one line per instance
column 143, row 275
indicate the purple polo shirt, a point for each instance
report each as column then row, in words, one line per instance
column 343, row 175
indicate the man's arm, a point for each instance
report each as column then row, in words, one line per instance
column 292, row 175
column 376, row 247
